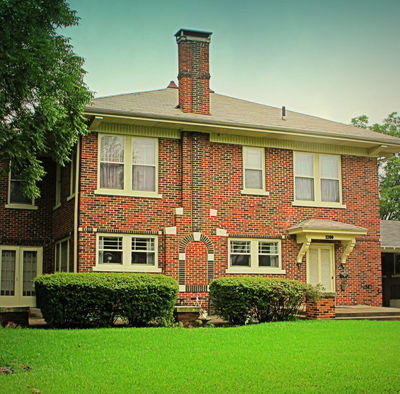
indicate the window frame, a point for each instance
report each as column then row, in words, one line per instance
column 254, row 254
column 72, row 176
column 15, row 205
column 317, row 202
column 126, row 265
column 57, row 197
column 57, row 259
column 128, row 168
column 261, row 191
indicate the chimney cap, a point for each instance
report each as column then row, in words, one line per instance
column 188, row 34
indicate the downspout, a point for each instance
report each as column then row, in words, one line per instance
column 76, row 204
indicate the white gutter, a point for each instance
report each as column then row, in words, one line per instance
column 76, row 204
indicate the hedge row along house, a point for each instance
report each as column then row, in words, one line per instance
column 198, row 185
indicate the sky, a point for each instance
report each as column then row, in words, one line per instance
column 335, row 59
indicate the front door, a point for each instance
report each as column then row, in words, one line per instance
column 19, row 265
column 320, row 266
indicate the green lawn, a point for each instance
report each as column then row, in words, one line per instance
column 315, row 356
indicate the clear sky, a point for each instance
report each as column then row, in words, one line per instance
column 331, row 58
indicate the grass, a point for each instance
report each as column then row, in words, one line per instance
column 311, row 356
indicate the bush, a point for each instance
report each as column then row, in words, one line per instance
column 98, row 299
column 242, row 299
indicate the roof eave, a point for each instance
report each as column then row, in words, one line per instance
column 384, row 146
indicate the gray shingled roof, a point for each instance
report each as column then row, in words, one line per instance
column 390, row 233
column 229, row 111
column 326, row 224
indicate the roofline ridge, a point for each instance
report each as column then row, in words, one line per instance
column 131, row 93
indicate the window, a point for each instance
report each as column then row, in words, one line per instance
column 57, row 201
column 253, row 170
column 72, row 175
column 62, row 256
column 317, row 179
column 390, row 264
column 135, row 253
column 16, row 198
column 128, row 165
column 255, row 255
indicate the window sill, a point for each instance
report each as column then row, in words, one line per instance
column 127, row 194
column 71, row 197
column 254, row 192
column 56, row 206
column 250, row 270
column 22, row 206
column 113, row 268
column 318, row 204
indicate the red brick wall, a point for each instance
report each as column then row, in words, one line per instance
column 30, row 227
column 198, row 175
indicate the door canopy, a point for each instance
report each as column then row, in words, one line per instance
column 325, row 230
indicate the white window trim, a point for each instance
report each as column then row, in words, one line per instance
column 254, row 267
column 72, row 173
column 126, row 266
column 16, row 205
column 128, row 164
column 259, row 192
column 317, row 202
column 59, row 257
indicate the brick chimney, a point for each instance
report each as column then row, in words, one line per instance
column 194, row 76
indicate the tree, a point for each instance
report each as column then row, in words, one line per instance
column 389, row 168
column 42, row 93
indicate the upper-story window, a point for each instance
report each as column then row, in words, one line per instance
column 317, row 179
column 57, row 200
column 16, row 198
column 253, row 171
column 128, row 165
column 72, row 175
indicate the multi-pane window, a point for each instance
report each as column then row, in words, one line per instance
column 110, row 250
column 317, row 177
column 62, row 256
column 127, row 252
column 143, row 251
column 254, row 254
column 128, row 164
column 253, row 168
column 16, row 196
column 29, row 261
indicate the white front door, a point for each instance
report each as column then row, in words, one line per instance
column 19, row 265
column 320, row 266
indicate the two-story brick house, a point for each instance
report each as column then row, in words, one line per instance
column 198, row 185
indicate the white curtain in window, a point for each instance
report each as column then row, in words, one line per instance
column 111, row 153
column 253, row 179
column 329, row 166
column 304, row 164
column 330, row 190
column 304, row 189
column 144, row 164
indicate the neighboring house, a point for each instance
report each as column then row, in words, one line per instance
column 390, row 240
column 197, row 185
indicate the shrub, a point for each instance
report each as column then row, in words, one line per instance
column 98, row 299
column 242, row 299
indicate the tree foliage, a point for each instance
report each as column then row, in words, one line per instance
column 389, row 171
column 42, row 93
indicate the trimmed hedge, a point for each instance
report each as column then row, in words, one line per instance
column 242, row 299
column 98, row 299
